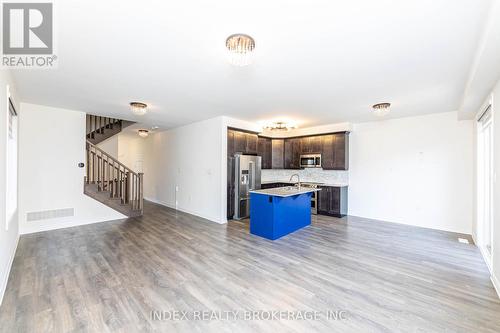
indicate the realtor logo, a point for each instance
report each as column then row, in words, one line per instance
column 28, row 35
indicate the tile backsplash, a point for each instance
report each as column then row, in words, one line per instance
column 310, row 174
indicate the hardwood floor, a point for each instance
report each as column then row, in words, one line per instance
column 110, row 276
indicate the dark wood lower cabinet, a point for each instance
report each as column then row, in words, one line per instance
column 332, row 201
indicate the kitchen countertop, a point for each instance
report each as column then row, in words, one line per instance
column 275, row 181
column 306, row 181
column 287, row 191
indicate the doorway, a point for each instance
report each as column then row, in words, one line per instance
column 485, row 183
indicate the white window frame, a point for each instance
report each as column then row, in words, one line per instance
column 8, row 214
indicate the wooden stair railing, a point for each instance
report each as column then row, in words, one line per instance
column 99, row 124
column 114, row 177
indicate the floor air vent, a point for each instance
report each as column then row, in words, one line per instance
column 50, row 214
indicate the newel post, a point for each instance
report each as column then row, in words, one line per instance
column 141, row 192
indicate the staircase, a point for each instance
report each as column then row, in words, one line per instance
column 107, row 180
column 101, row 128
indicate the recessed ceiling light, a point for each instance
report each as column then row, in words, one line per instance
column 240, row 48
column 138, row 108
column 143, row 133
column 381, row 109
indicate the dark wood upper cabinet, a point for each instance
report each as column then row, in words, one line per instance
column 251, row 140
column 269, row 154
column 341, row 151
column 264, row 150
column 315, row 144
column 305, row 145
column 335, row 151
column 288, row 154
column 230, row 143
column 292, row 153
column 240, row 142
column 327, row 146
column 285, row 153
column 278, row 154
column 310, row 145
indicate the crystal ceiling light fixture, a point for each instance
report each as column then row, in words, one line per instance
column 381, row 109
column 240, row 48
column 138, row 108
column 280, row 126
column 143, row 133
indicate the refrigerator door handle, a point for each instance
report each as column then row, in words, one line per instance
column 251, row 181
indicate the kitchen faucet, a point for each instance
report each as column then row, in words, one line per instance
column 298, row 178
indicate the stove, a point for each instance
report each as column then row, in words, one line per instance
column 314, row 197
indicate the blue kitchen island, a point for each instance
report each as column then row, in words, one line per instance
column 276, row 212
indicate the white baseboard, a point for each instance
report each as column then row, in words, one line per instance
column 5, row 279
column 474, row 237
column 61, row 223
column 496, row 284
column 382, row 219
column 493, row 278
column 211, row 219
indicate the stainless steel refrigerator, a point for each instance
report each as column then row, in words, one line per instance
column 247, row 169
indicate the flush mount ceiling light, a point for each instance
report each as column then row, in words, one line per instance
column 240, row 48
column 138, row 108
column 381, row 109
column 280, row 126
column 143, row 133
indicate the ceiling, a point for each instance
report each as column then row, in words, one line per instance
column 316, row 62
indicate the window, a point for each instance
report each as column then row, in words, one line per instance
column 12, row 182
column 12, row 115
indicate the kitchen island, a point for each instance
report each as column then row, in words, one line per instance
column 276, row 212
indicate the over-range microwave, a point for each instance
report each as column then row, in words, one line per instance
column 310, row 161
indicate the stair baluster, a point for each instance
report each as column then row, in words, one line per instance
column 100, row 128
column 109, row 175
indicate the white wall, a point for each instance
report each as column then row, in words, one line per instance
column 110, row 146
column 131, row 150
column 127, row 147
column 8, row 236
column 51, row 144
column 189, row 158
column 416, row 171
